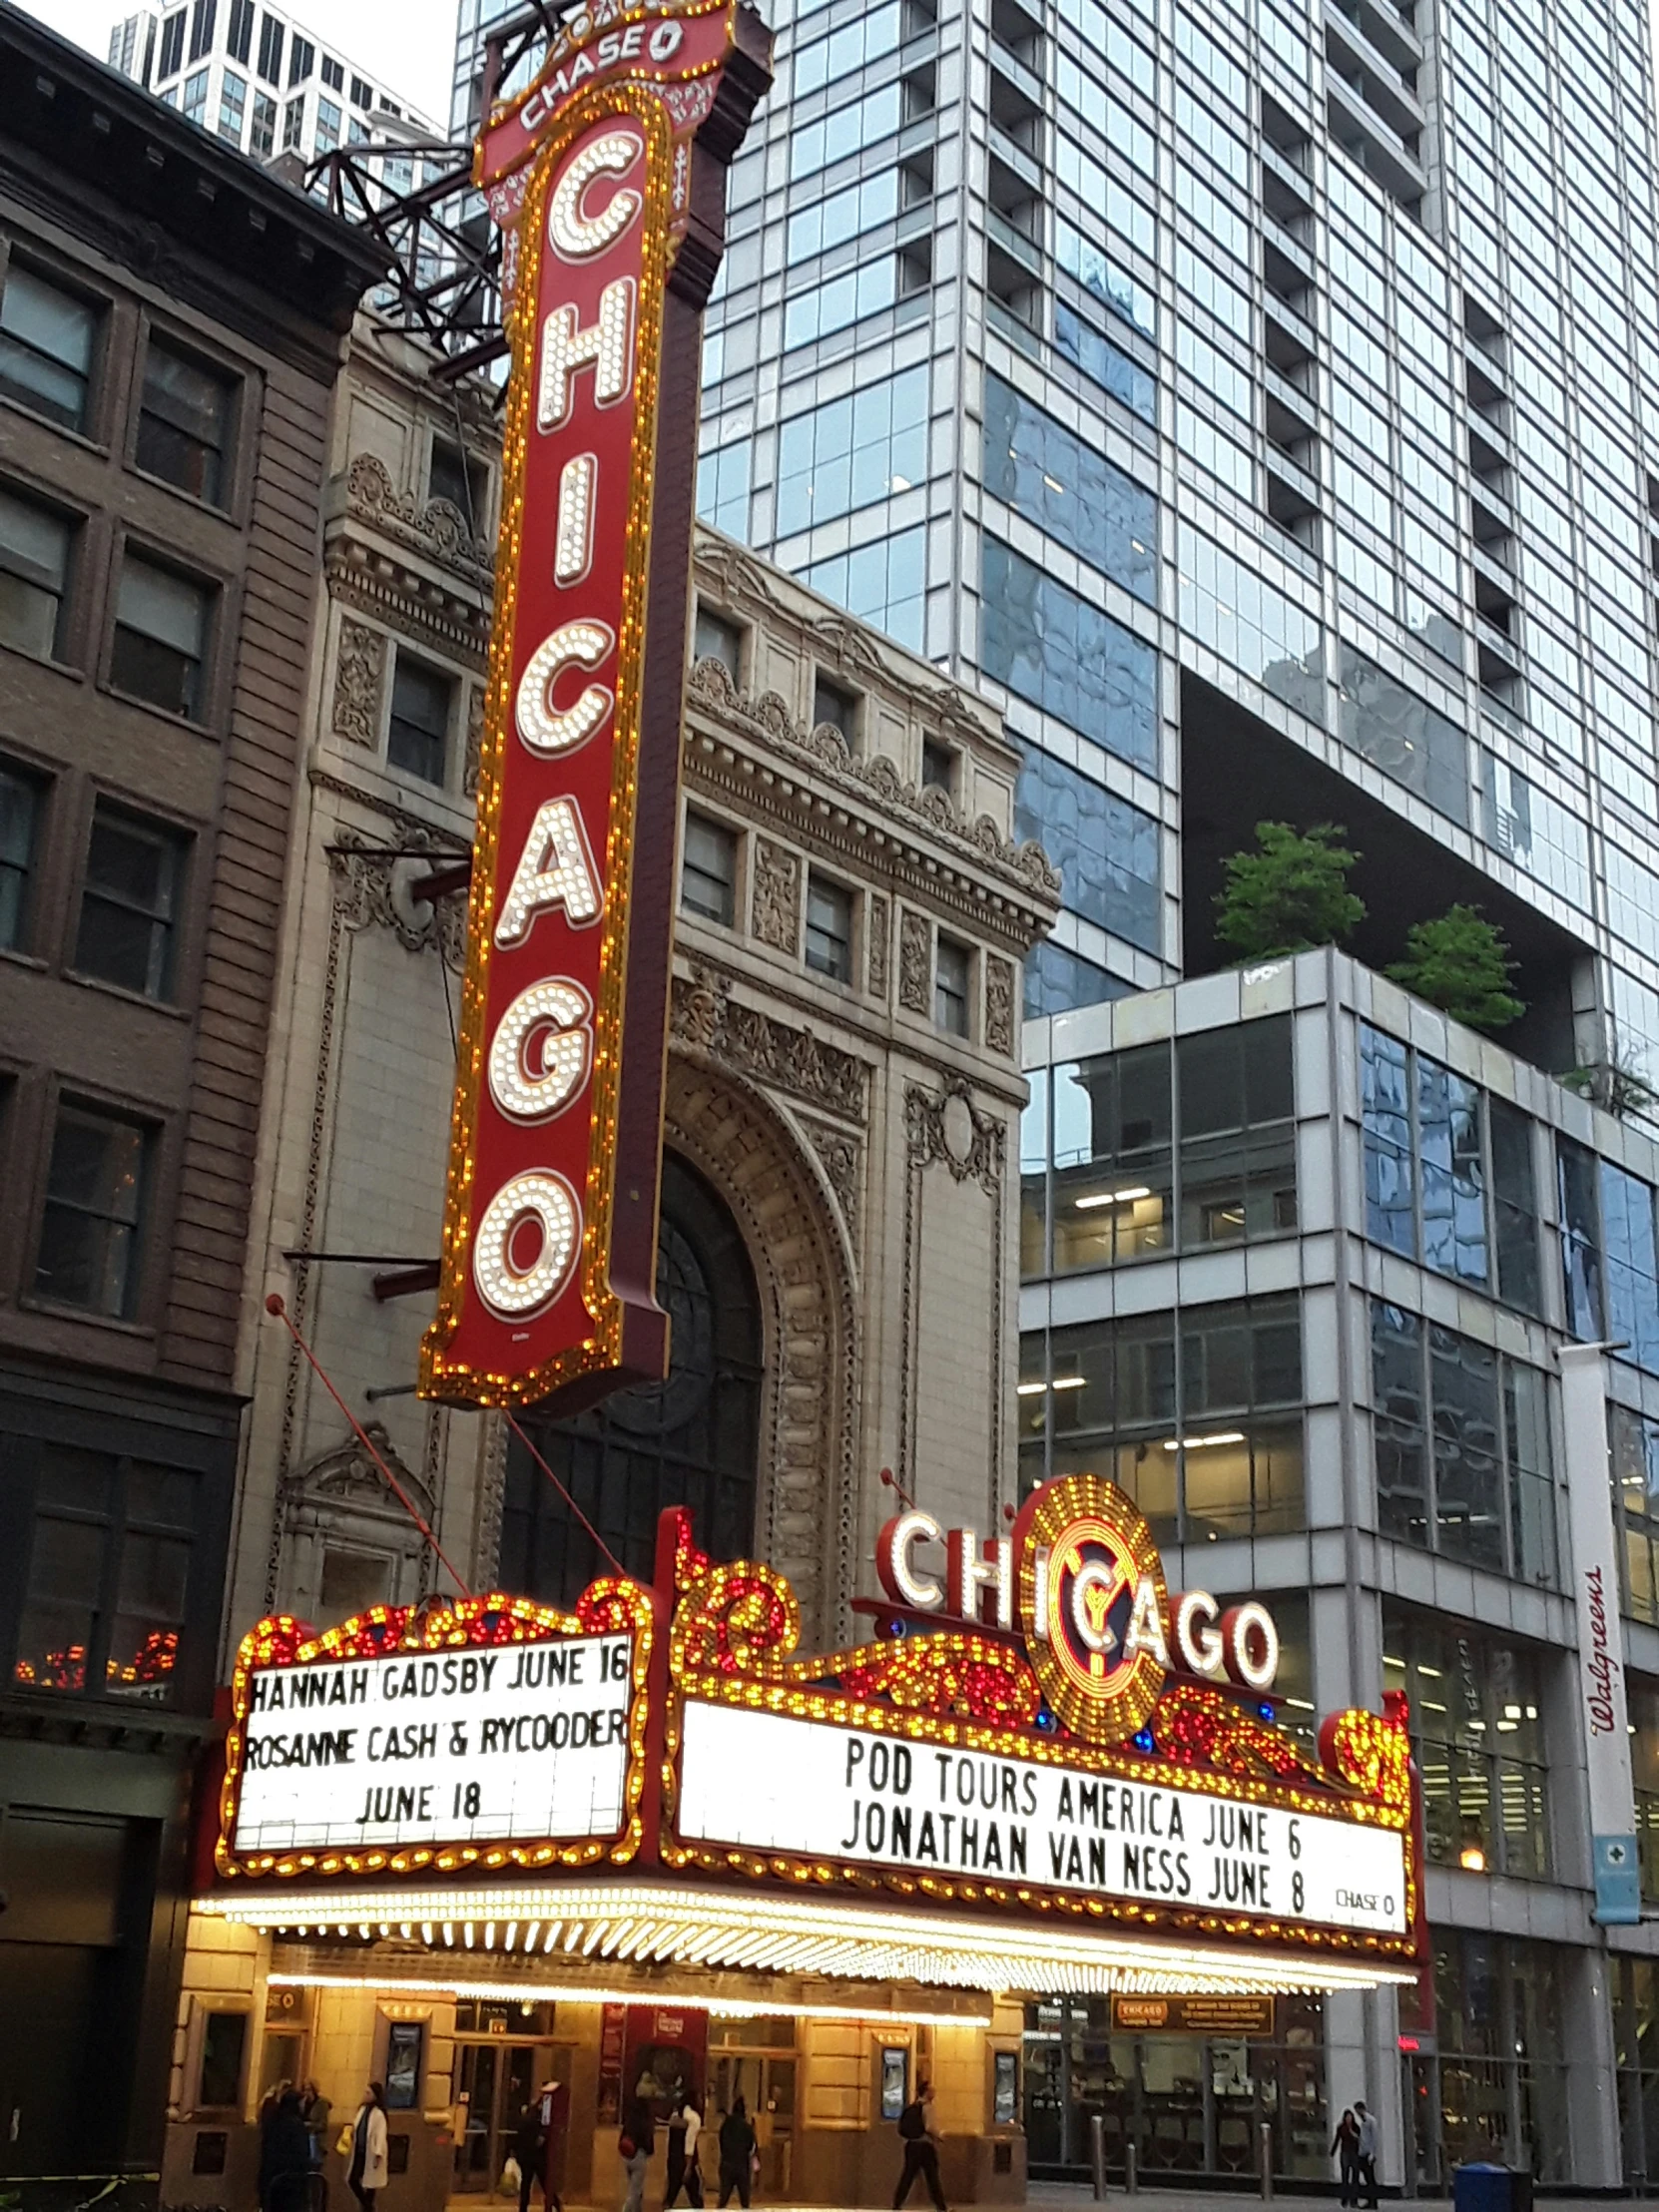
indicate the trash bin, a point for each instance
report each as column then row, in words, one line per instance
column 1487, row 2188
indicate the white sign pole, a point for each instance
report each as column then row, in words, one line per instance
column 1595, row 1583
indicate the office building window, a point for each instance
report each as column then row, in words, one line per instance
column 93, row 1222
column 196, row 99
column 301, row 59
column 1403, row 736
column 418, row 736
column 109, row 1556
column 34, row 546
column 1105, row 364
column 161, row 637
column 239, row 43
column 1477, row 1735
column 334, row 74
column 1500, row 2076
column 271, row 37
column 1196, row 1414
column 1068, row 489
column 852, row 452
column 717, row 638
column 1067, row 657
column 261, row 138
column 1448, row 1172
column 453, row 474
column 1107, row 851
column 1631, row 1265
column 1057, row 980
column 47, row 339
column 953, row 987
column 1461, row 1441
column 328, row 124
column 20, row 812
column 1642, row 1700
column 130, row 902
column 202, row 16
column 363, row 95
column 1198, row 1137
column 723, row 487
column 172, row 45
column 184, row 420
column 1633, row 1444
column 233, row 106
column 1580, row 1237
column 294, row 125
column 709, row 871
column 829, row 928
column 883, row 584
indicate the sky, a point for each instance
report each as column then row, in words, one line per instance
column 408, row 44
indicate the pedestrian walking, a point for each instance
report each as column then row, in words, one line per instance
column 284, row 2155
column 685, row 2124
column 367, row 2173
column 737, row 2155
column 634, row 2147
column 921, row 2149
column 1345, row 2148
column 316, row 2108
column 1369, row 2142
column 535, row 2145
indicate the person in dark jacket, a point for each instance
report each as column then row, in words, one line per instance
column 922, row 2150
column 736, row 2155
column 1345, row 2150
column 635, row 2144
column 286, row 2164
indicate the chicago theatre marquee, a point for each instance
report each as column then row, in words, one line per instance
column 652, row 1844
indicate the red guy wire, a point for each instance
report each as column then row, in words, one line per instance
column 565, row 1494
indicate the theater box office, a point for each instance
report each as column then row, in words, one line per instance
column 649, row 1845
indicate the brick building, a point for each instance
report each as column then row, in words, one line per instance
column 163, row 416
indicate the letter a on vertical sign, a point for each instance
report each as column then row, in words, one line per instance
column 608, row 179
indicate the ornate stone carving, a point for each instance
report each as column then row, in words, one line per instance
column 360, row 672
column 342, row 1502
column 438, row 529
column 706, row 1017
column 373, row 888
column 474, row 739
column 841, row 1158
column 1000, row 1024
column 916, row 943
column 775, row 906
column 950, row 1128
column 880, row 928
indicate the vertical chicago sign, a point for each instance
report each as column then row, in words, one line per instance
column 608, row 180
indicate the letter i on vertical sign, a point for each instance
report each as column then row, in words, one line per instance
column 608, row 179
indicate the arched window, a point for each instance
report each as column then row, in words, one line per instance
column 688, row 1441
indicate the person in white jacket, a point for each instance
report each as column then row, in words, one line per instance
column 368, row 2170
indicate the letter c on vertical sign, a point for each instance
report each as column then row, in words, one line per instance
column 550, row 730
column 543, row 1201
column 576, row 236
column 542, row 1050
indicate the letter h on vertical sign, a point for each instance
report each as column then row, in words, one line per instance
column 608, row 180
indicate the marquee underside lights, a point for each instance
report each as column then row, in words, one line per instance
column 608, row 181
column 607, row 1920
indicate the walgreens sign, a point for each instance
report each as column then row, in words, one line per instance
column 608, row 177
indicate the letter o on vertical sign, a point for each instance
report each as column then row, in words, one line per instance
column 543, row 1203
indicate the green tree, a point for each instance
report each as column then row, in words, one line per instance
column 1289, row 894
column 1460, row 961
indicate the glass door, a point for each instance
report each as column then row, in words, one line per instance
column 497, row 2080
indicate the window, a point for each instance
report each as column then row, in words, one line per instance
column 1502, row 2016
column 1404, row 737
column 709, row 871
column 1643, row 1701
column 233, row 106
column 172, row 45
column 262, row 139
column 328, row 124
column 1058, row 481
column 1057, row 980
column 1462, row 1447
column 1196, row 1414
column 196, row 99
column 363, row 95
column 223, row 2049
column 1631, row 1265
column 1067, row 657
column 1107, row 850
column 294, row 125
column 1581, row 1238
column 459, row 477
column 271, row 35
column 1191, row 1143
column 301, row 59
column 20, row 808
column 938, row 767
column 334, row 74
column 417, row 737
column 47, row 339
column 130, row 902
column 239, row 43
column 184, row 420
column 883, row 583
column 202, row 16
column 94, row 1217
column 716, row 639
column 34, row 574
column 953, row 982
column 1448, row 1172
column 850, row 453
column 1633, row 1440
column 829, row 928
column 1477, row 1736
column 834, row 705
column 161, row 637
column 107, row 1571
